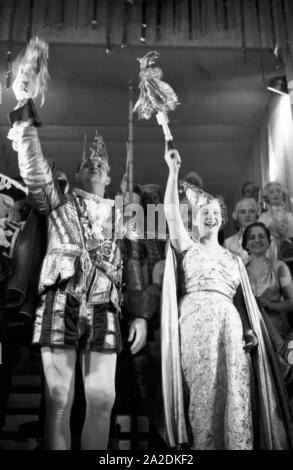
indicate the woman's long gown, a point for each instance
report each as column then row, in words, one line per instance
column 216, row 371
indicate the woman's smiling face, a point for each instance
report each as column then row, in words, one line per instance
column 257, row 241
column 210, row 218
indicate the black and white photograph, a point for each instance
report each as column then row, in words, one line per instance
column 146, row 229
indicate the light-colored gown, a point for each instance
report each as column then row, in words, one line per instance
column 215, row 367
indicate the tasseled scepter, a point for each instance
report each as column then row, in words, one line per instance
column 31, row 81
column 156, row 96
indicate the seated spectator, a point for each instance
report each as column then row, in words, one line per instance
column 278, row 220
column 248, row 191
column 244, row 214
column 271, row 281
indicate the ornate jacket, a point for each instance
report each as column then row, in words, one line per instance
column 83, row 249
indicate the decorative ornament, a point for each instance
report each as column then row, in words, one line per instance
column 94, row 14
column 195, row 195
column 156, row 96
column 97, row 150
column 143, row 21
column 33, row 69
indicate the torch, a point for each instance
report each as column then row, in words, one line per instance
column 31, row 82
column 156, row 96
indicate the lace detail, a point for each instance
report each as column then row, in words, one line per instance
column 215, row 366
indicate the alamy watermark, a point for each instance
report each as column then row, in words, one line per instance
column 135, row 221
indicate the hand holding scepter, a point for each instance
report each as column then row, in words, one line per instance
column 156, row 96
column 31, row 81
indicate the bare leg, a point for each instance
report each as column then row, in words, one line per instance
column 99, row 383
column 59, row 369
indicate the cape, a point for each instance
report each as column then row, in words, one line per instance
column 273, row 422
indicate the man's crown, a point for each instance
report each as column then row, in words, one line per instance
column 97, row 150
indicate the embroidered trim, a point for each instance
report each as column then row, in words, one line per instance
column 86, row 195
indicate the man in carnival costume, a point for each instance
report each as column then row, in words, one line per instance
column 80, row 279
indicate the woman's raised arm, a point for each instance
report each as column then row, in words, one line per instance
column 178, row 234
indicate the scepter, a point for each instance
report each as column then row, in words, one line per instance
column 155, row 96
column 31, row 81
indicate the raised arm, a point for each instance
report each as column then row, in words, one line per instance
column 178, row 234
column 34, row 168
column 30, row 83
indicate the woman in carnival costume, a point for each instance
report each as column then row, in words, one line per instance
column 222, row 386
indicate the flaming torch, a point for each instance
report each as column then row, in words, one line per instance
column 156, row 96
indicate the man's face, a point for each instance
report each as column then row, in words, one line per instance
column 94, row 171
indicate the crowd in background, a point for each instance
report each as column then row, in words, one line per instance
column 263, row 238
